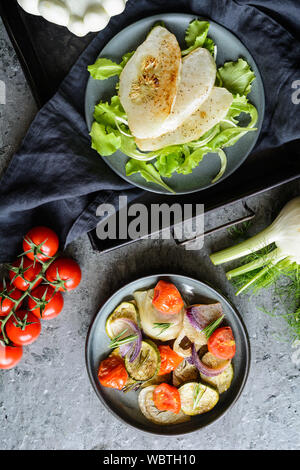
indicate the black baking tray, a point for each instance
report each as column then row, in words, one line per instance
column 41, row 48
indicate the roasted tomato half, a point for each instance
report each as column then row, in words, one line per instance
column 166, row 397
column 167, row 298
column 112, row 373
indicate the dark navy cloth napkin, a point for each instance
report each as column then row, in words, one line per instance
column 58, row 180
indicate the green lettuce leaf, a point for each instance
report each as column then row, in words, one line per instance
column 196, row 35
column 110, row 113
column 236, row 77
column 148, row 172
column 106, row 68
column 104, row 139
column 240, row 105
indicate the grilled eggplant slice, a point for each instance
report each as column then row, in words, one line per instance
column 150, row 411
column 197, row 398
column 222, row 381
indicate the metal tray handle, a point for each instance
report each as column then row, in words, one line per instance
column 250, row 216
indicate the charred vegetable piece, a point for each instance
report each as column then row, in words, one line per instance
column 221, row 343
column 189, row 334
column 167, row 298
column 112, row 372
column 154, row 415
column 114, row 324
column 184, row 373
column 167, row 398
column 222, row 381
column 169, row 359
column 155, row 324
column 197, row 398
column 203, row 368
column 146, row 365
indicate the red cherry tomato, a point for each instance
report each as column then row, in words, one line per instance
column 170, row 360
column 167, row 298
column 50, row 305
column 6, row 304
column 10, row 356
column 40, row 243
column 29, row 271
column 221, row 343
column 64, row 273
column 23, row 334
column 112, row 373
column 167, row 397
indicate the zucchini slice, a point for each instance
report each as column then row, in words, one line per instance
column 146, row 365
column 150, row 411
column 222, row 381
column 208, row 397
column 184, row 373
column 114, row 325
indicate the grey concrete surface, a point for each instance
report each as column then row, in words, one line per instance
column 47, row 402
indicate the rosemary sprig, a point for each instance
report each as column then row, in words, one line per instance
column 118, row 341
column 209, row 329
column 162, row 326
column 198, row 393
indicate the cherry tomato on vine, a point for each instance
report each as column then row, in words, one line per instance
column 221, row 343
column 167, row 397
column 40, row 243
column 25, row 332
column 112, row 373
column 10, row 355
column 27, row 271
column 167, row 298
column 6, row 305
column 49, row 303
column 170, row 360
column 64, row 273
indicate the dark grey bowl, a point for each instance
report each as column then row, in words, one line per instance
column 125, row 406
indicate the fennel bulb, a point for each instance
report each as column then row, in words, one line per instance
column 284, row 232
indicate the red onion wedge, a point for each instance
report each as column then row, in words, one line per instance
column 203, row 368
column 202, row 315
column 134, row 347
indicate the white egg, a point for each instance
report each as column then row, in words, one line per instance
column 54, row 11
column 96, row 18
column 77, row 26
column 114, row 7
column 31, row 6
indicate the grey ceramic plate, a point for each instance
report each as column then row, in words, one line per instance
column 230, row 48
column 125, row 406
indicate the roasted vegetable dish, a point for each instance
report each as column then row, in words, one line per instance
column 177, row 356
